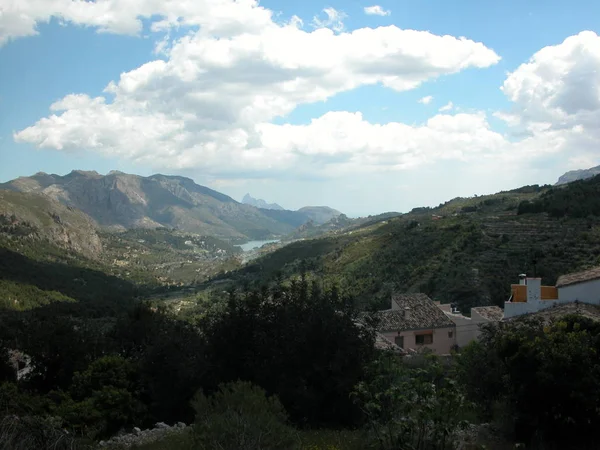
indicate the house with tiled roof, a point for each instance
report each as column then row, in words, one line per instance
column 415, row 322
column 529, row 296
column 468, row 328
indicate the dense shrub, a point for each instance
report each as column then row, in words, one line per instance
column 28, row 433
column 538, row 380
column 240, row 416
column 416, row 408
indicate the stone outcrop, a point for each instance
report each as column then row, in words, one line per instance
column 141, row 437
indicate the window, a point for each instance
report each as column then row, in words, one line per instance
column 399, row 341
column 424, row 339
column 450, row 333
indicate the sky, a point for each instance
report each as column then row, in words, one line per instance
column 365, row 107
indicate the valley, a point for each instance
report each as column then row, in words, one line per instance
column 167, row 296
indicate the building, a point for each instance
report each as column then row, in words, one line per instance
column 581, row 309
column 529, row 296
column 469, row 328
column 583, row 286
column 415, row 322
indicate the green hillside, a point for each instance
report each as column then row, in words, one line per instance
column 467, row 250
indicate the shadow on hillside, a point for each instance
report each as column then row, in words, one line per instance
column 97, row 293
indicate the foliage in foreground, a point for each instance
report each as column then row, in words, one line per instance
column 538, row 380
column 241, row 416
column 28, row 433
column 411, row 408
column 297, row 342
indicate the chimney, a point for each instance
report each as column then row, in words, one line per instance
column 534, row 289
column 522, row 279
column 407, row 312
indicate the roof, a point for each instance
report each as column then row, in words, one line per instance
column 583, row 309
column 578, row 277
column 383, row 343
column 492, row 313
column 423, row 314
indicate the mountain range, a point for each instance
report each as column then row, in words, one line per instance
column 260, row 203
column 124, row 201
column 581, row 174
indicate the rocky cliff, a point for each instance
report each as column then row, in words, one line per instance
column 120, row 200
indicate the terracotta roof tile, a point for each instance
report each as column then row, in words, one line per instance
column 422, row 314
column 492, row 313
column 578, row 277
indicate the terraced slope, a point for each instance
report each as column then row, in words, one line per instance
column 466, row 251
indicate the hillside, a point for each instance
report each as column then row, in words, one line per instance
column 120, row 200
column 320, row 214
column 466, row 251
column 167, row 257
column 37, row 217
column 575, row 175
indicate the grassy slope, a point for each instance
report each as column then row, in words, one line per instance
column 471, row 255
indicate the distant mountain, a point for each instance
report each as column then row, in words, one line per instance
column 575, row 175
column 320, row 214
column 120, row 200
column 260, row 203
column 317, row 215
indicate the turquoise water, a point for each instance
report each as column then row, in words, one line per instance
column 251, row 245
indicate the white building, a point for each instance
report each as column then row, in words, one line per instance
column 529, row 296
column 469, row 328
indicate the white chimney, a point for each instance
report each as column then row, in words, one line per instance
column 407, row 312
column 522, row 279
column 534, row 289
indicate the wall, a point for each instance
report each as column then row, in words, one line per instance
column 442, row 344
column 467, row 328
column 586, row 292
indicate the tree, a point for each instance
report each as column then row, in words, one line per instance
column 169, row 354
column 103, row 398
column 7, row 371
column 410, row 408
column 300, row 344
column 542, row 378
column 241, row 416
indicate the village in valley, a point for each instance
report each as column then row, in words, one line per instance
column 417, row 324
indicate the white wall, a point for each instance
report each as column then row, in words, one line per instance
column 587, row 292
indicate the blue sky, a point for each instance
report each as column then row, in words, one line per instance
column 239, row 105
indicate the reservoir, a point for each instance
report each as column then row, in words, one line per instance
column 251, row 245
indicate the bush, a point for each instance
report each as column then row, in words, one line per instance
column 240, row 416
column 34, row 433
column 539, row 381
column 411, row 408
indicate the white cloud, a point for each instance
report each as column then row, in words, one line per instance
column 208, row 105
column 447, row 107
column 557, row 92
column 19, row 18
column 333, row 21
column 426, row 100
column 376, row 10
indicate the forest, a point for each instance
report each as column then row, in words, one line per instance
column 287, row 366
